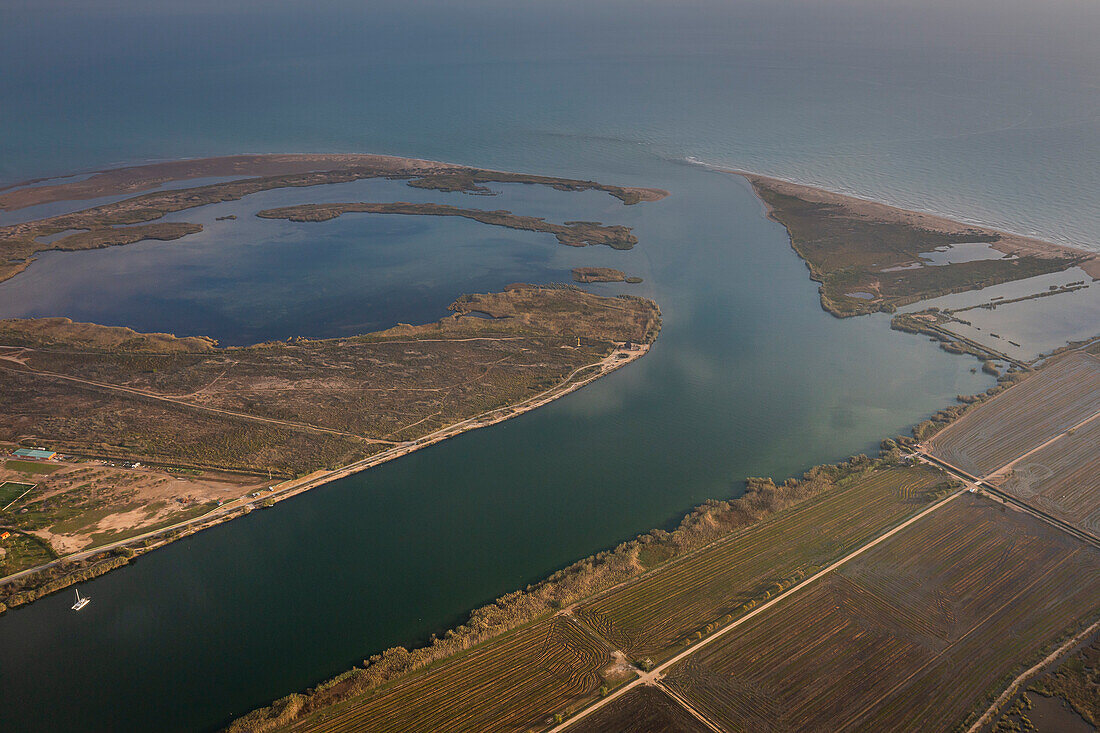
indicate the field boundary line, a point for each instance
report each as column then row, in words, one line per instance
column 668, row 565
column 1027, row 674
column 1068, row 431
column 870, row 707
column 682, row 701
column 658, row 672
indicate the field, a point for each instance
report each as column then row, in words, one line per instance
column 867, row 256
column 644, row 709
column 30, row 467
column 664, row 610
column 516, row 682
column 909, row 636
column 23, row 551
column 1045, row 405
column 1063, row 478
column 12, row 490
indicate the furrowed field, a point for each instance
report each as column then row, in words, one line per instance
column 666, row 609
column 515, row 682
column 909, row 636
column 1023, row 418
column 644, row 709
column 1063, row 478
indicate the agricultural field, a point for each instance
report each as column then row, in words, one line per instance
column 915, row 634
column 645, row 709
column 667, row 608
column 514, row 682
column 1062, row 478
column 1045, row 405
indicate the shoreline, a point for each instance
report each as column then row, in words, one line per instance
column 293, row 487
column 144, row 177
column 1010, row 242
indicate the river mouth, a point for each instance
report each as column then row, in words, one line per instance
column 749, row 377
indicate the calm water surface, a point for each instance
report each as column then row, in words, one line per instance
column 995, row 117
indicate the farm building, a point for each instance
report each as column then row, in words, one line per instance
column 42, row 455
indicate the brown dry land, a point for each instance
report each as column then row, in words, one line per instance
column 866, row 254
column 80, row 505
column 101, row 224
column 381, row 684
column 279, row 409
column 642, row 710
column 573, row 233
column 1043, row 406
column 906, row 637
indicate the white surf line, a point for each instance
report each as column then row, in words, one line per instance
column 1027, row 674
column 657, row 673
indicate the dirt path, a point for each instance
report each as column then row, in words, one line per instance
column 294, row 487
column 1027, row 674
column 185, row 403
column 1008, row 466
column 654, row 676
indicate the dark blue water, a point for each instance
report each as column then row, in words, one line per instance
column 932, row 105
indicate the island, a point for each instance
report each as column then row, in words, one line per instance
column 571, row 233
column 867, row 256
column 125, row 221
column 602, row 275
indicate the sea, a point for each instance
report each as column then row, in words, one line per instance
column 984, row 111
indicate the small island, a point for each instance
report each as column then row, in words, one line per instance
column 602, row 275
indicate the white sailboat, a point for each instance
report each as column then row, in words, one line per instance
column 80, row 602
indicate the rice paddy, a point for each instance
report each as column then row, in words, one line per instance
column 909, row 636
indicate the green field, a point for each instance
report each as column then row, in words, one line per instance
column 912, row 635
column 22, row 552
column 32, row 467
column 665, row 609
column 12, row 490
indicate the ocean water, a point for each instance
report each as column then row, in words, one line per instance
column 986, row 110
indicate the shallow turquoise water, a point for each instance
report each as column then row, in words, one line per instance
column 749, row 376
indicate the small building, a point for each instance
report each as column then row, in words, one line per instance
column 5, row 535
column 36, row 453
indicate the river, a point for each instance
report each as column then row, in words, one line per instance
column 749, row 376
